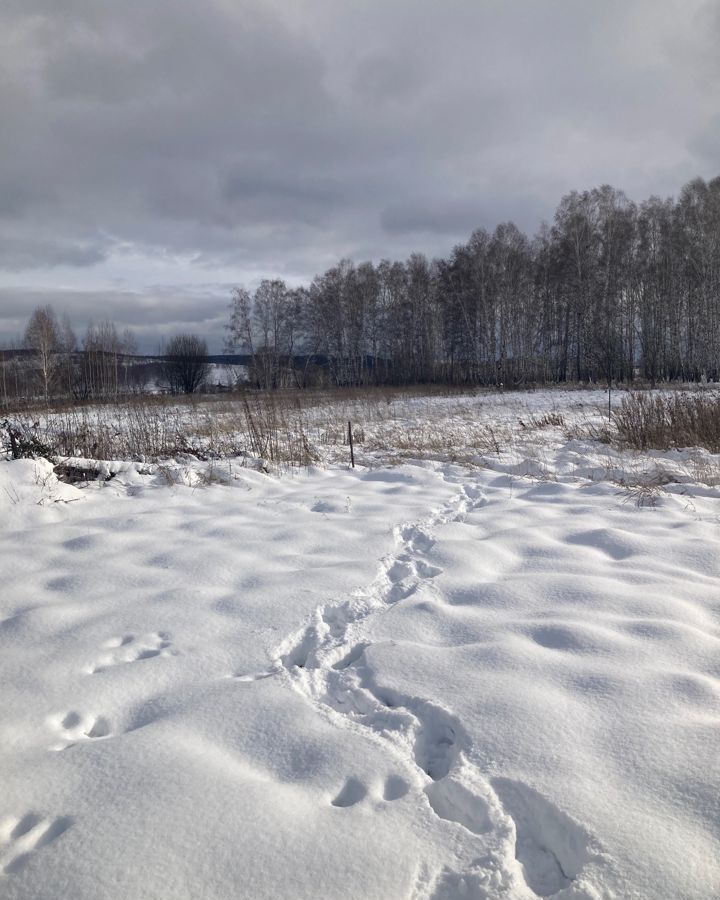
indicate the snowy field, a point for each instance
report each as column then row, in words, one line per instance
column 491, row 677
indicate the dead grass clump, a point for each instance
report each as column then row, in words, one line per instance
column 644, row 495
column 646, row 486
column 548, row 420
column 663, row 421
column 277, row 431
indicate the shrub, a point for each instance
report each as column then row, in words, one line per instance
column 21, row 441
column 661, row 421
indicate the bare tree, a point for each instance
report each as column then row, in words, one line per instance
column 3, row 375
column 102, row 348
column 185, row 365
column 273, row 329
column 68, row 347
column 239, row 328
column 43, row 338
column 267, row 325
column 128, row 348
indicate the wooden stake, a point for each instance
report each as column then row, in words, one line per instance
column 352, row 452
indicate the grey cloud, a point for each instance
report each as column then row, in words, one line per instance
column 707, row 144
column 152, row 316
column 264, row 137
column 443, row 218
column 25, row 253
column 457, row 217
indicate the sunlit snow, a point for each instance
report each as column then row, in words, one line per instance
column 420, row 680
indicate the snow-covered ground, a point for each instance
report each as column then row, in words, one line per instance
column 424, row 680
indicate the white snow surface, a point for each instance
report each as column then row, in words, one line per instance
column 419, row 681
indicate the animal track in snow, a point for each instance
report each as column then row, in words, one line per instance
column 119, row 641
column 73, row 728
column 353, row 791
column 21, row 837
column 395, row 788
column 128, row 648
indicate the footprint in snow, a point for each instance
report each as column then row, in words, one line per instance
column 128, row 648
column 416, row 538
column 354, row 655
column 436, row 743
column 19, row 838
column 395, row 788
column 122, row 641
column 453, row 801
column 551, row 847
column 402, row 569
column 405, row 576
column 73, row 728
column 353, row 791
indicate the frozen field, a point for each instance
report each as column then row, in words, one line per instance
column 494, row 677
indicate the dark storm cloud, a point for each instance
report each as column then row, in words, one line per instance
column 264, row 137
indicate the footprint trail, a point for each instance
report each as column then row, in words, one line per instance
column 512, row 841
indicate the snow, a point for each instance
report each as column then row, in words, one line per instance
column 425, row 680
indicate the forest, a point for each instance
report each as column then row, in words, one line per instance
column 610, row 290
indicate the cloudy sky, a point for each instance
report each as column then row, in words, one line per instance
column 153, row 153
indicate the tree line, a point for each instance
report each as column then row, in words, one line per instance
column 610, row 290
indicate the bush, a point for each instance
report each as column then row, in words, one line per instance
column 185, row 366
column 662, row 421
column 22, row 441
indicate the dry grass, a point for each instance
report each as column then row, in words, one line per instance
column 300, row 428
column 551, row 419
column 664, row 421
column 279, row 429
